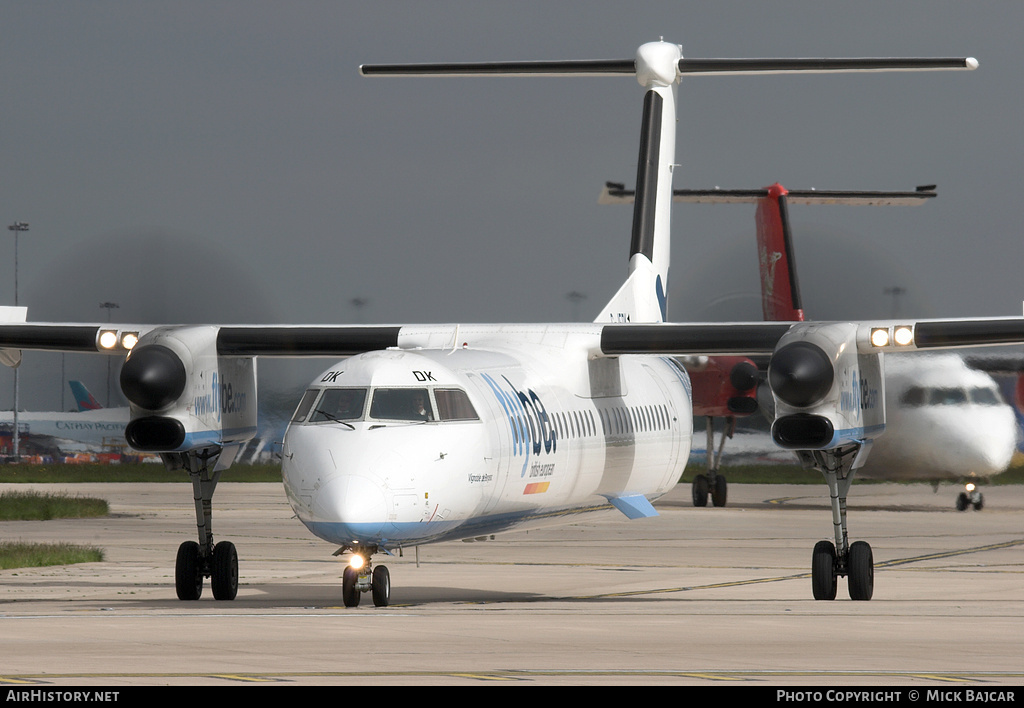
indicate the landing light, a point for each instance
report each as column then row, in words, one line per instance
column 903, row 335
column 129, row 339
column 108, row 339
column 357, row 561
column 879, row 337
column 969, row 486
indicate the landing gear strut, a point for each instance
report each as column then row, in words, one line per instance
column 203, row 559
column 362, row 576
column 831, row 560
column 713, row 483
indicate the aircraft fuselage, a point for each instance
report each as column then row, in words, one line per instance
column 505, row 439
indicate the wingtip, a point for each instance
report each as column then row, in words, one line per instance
column 971, row 63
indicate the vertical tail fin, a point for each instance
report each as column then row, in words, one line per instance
column 643, row 297
column 780, row 290
column 84, row 399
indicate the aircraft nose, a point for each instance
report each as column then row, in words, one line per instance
column 356, row 502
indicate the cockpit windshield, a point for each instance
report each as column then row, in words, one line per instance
column 401, row 404
column 949, row 396
column 339, row 404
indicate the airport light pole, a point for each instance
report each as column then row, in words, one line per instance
column 108, row 306
column 17, row 227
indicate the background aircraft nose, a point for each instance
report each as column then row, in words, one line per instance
column 355, row 501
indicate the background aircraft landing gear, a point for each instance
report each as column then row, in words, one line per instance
column 196, row 561
column 713, row 483
column 971, row 496
column 361, row 576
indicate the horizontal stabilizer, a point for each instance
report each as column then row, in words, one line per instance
column 599, row 67
column 635, row 506
column 742, row 67
column 614, row 193
column 685, row 67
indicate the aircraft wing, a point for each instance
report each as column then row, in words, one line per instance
column 753, row 338
column 750, row 338
column 231, row 340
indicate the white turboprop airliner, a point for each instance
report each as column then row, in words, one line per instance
column 520, row 424
column 946, row 420
column 953, row 425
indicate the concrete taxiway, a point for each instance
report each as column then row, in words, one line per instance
column 695, row 596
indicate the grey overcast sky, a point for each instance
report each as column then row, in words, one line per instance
column 223, row 161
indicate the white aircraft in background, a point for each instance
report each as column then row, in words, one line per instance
column 438, row 432
column 92, row 427
column 946, row 420
column 963, row 428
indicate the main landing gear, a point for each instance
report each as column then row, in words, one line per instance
column 713, row 483
column 362, row 576
column 831, row 560
column 203, row 559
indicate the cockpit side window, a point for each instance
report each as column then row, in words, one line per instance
column 302, row 412
column 985, row 396
column 454, row 404
column 340, row 404
column 401, row 404
column 914, row 396
column 948, row 396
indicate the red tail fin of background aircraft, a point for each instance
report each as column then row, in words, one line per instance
column 780, row 291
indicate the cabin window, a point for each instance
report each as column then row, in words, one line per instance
column 339, row 404
column 454, row 404
column 411, row 404
column 305, row 404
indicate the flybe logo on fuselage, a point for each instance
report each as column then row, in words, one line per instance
column 219, row 399
column 528, row 419
column 860, row 395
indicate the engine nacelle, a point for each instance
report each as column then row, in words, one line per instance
column 184, row 396
column 723, row 386
column 826, row 394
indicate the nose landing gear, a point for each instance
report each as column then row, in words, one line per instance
column 361, row 576
column 971, row 496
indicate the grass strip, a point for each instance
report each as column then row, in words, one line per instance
column 32, row 505
column 15, row 554
column 70, row 474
